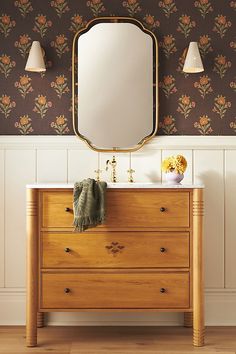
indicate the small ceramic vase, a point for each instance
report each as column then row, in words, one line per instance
column 173, row 177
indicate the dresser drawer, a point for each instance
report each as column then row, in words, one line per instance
column 125, row 209
column 103, row 289
column 115, row 250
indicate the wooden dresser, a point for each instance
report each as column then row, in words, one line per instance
column 146, row 257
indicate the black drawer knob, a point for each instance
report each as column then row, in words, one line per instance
column 67, row 249
column 67, row 209
column 66, row 290
column 162, row 290
column 162, row 249
column 162, row 209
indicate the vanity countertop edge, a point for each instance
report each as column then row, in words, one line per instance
column 119, row 185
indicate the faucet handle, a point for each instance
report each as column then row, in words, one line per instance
column 98, row 172
column 130, row 175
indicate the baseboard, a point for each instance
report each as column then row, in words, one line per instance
column 220, row 309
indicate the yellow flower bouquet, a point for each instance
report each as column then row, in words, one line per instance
column 174, row 168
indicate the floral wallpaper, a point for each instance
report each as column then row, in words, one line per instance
column 194, row 104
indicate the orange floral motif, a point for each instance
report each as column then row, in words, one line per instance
column 168, row 125
column 41, row 105
column 60, row 85
column 221, row 65
column 6, row 65
column 6, row 24
column 168, row 45
column 77, row 23
column 221, row 25
column 168, row 85
column 60, row 6
column 168, row 7
column 41, row 25
column 60, row 44
column 205, row 45
column 60, row 125
column 221, row 105
column 23, row 44
column 150, row 22
column 185, row 105
column 24, row 7
column 24, row 85
column 96, row 6
column 185, row 25
column 132, row 6
column 24, row 125
column 203, row 85
column 204, row 6
column 6, row 105
column 203, row 125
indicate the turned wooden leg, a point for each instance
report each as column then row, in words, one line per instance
column 32, row 268
column 198, row 284
column 40, row 319
column 188, row 319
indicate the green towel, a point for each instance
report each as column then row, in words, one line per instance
column 89, row 204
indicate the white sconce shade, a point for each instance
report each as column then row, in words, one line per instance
column 193, row 61
column 35, row 60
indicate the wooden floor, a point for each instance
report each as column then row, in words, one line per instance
column 117, row 340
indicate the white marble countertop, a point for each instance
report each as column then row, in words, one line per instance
column 117, row 185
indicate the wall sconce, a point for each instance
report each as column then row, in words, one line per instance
column 35, row 61
column 193, row 61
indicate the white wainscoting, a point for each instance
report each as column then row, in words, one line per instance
column 211, row 160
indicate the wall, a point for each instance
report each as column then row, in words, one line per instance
column 211, row 160
column 197, row 104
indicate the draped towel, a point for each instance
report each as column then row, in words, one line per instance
column 89, row 204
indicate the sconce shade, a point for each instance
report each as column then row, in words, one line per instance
column 193, row 61
column 35, row 61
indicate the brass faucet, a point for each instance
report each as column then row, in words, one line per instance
column 113, row 164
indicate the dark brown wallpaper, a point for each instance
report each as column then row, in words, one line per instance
column 195, row 104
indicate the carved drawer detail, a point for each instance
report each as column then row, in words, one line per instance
column 114, row 248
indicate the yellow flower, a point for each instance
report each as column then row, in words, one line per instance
column 203, row 120
column 24, row 80
column 60, row 80
column 168, row 39
column 60, row 39
column 5, row 19
column 24, row 120
column 24, row 39
column 185, row 100
column 42, row 100
column 168, row 120
column 220, row 100
column 204, row 80
column 6, row 100
column 174, row 163
column 150, row 19
column 204, row 40
column 60, row 120
column 221, row 60
column 168, row 80
column 185, row 19
column 41, row 20
column 5, row 59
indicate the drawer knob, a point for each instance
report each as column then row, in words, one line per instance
column 66, row 290
column 67, row 249
column 162, row 249
column 162, row 209
column 67, row 209
column 162, row 290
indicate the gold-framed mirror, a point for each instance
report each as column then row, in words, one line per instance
column 115, row 84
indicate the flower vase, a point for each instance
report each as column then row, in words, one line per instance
column 173, row 177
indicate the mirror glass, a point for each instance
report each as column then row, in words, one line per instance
column 115, row 84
